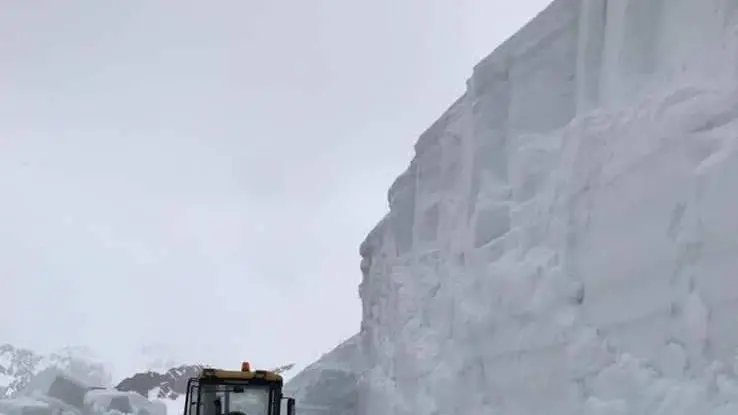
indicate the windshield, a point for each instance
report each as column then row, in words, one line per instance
column 234, row 399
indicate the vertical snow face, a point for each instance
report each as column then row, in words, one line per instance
column 552, row 250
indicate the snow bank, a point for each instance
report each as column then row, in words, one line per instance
column 329, row 386
column 564, row 240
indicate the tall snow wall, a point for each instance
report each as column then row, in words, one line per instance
column 565, row 240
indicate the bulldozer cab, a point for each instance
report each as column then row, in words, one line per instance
column 223, row 392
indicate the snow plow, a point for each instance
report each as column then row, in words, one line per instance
column 234, row 392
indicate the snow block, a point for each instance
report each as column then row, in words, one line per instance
column 58, row 388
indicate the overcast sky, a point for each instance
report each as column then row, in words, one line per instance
column 200, row 174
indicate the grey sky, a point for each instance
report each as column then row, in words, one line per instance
column 166, row 167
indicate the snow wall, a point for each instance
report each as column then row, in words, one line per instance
column 565, row 240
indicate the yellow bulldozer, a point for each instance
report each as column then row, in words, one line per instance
column 237, row 392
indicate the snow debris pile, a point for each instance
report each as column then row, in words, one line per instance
column 73, row 381
column 54, row 392
column 564, row 240
column 19, row 366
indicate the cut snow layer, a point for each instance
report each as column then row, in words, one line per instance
column 564, row 241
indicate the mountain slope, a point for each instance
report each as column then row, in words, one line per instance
column 168, row 385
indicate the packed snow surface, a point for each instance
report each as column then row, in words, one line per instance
column 564, row 241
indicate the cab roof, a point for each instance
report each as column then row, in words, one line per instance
column 209, row 373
